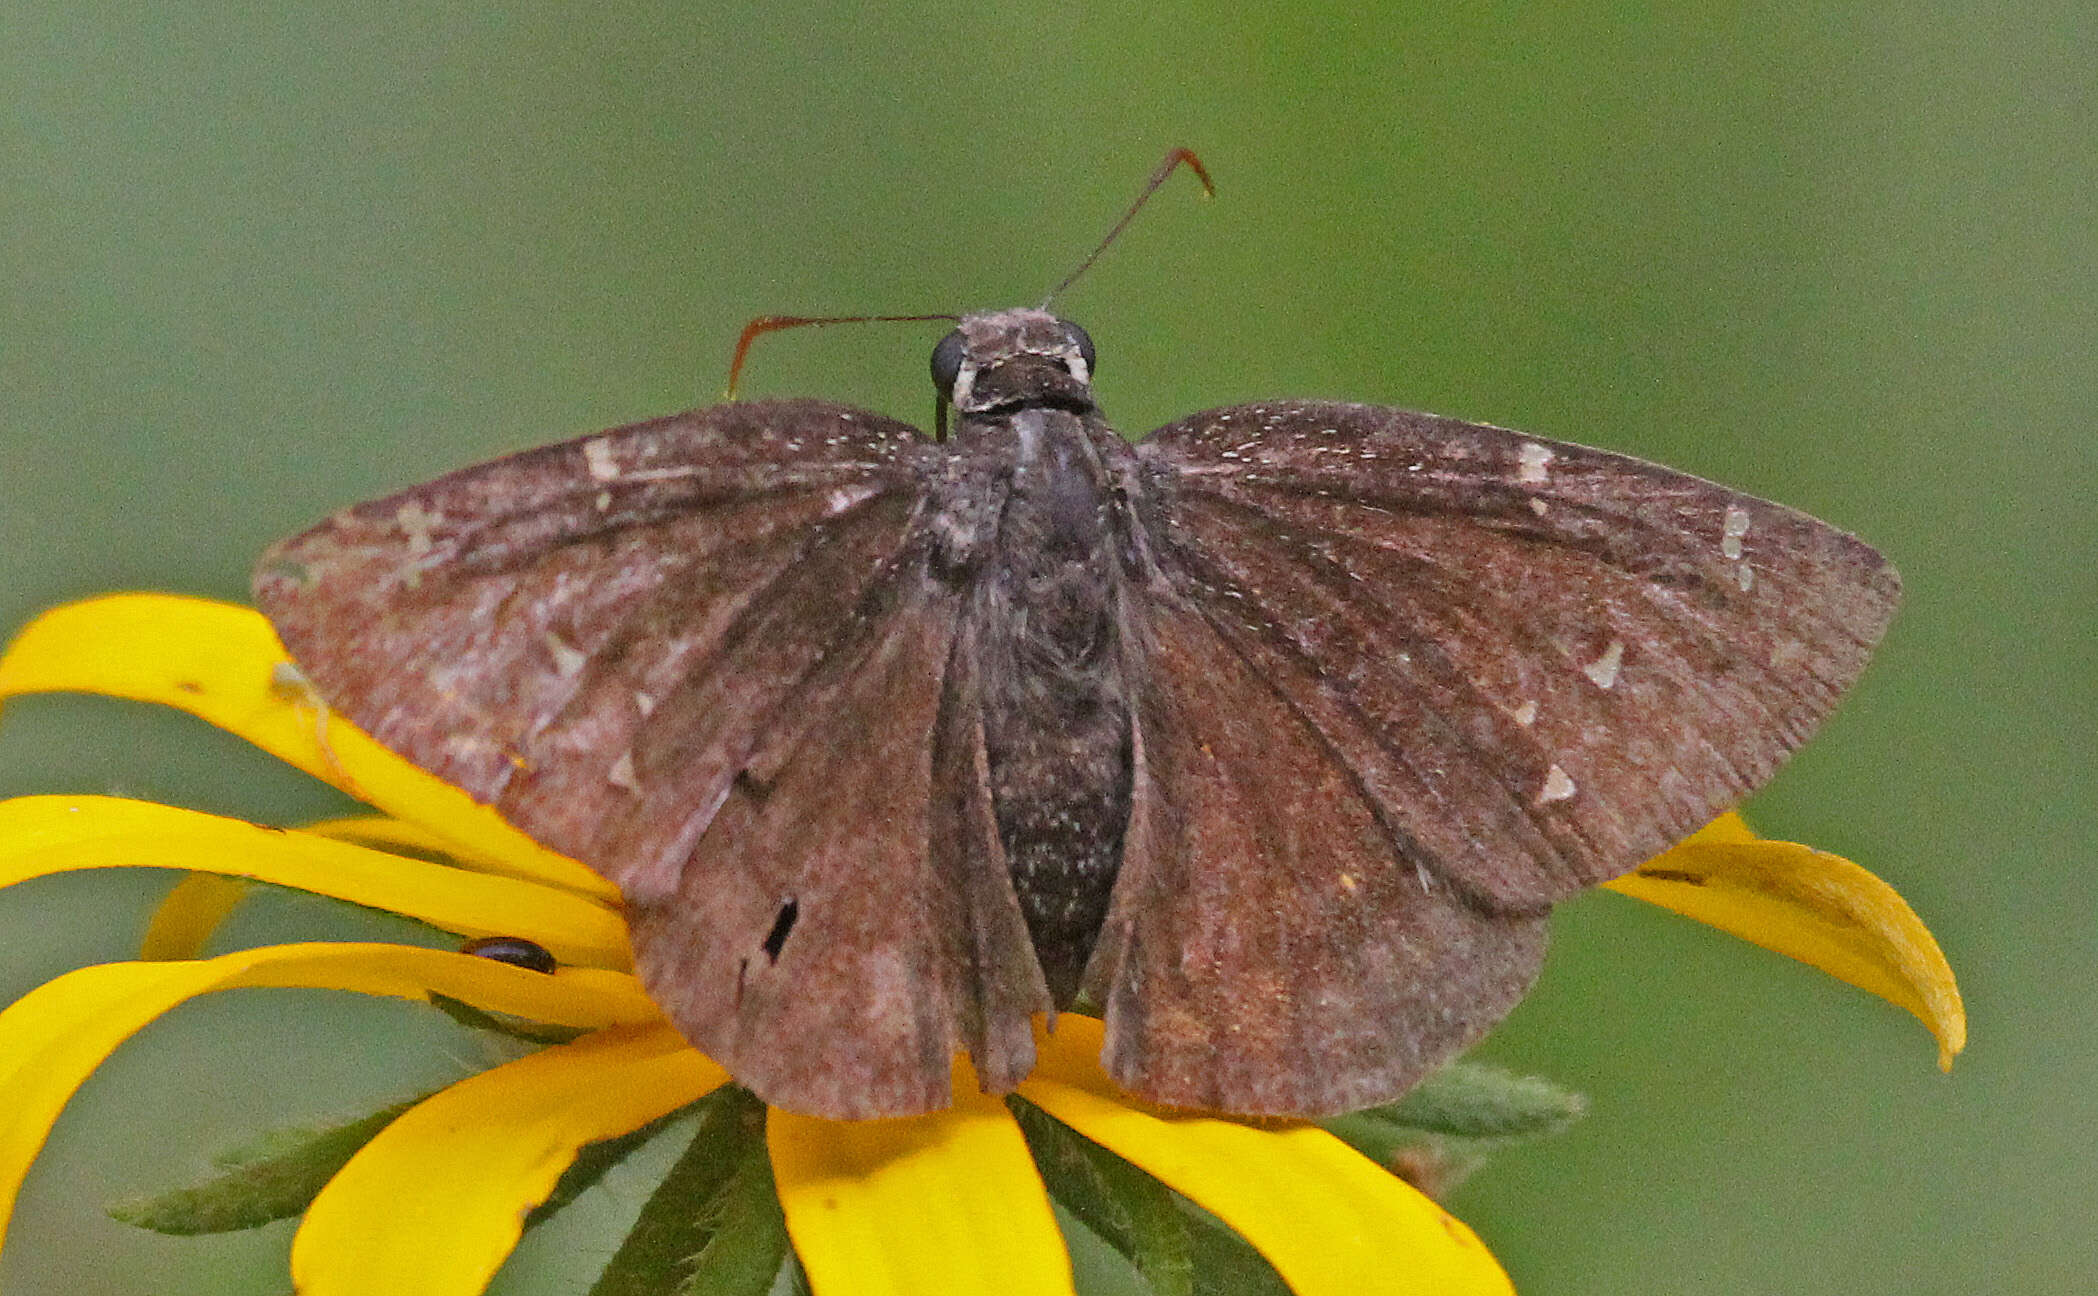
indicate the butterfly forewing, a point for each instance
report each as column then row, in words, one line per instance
column 602, row 638
column 1404, row 682
column 1541, row 663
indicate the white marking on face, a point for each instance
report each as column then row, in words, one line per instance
column 1731, row 530
column 416, row 523
column 1030, row 424
column 598, row 457
column 1558, row 786
column 1536, row 460
column 1603, row 670
column 568, row 659
column 622, row 774
column 964, row 386
column 644, row 702
column 1526, row 714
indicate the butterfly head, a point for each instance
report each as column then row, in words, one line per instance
column 1002, row 359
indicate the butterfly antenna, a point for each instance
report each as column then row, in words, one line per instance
column 1158, row 177
column 764, row 324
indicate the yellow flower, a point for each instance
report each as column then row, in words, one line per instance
column 950, row 1202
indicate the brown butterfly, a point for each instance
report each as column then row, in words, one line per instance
column 1273, row 736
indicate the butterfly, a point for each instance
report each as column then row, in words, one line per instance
column 1272, row 737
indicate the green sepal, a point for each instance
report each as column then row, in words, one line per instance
column 1473, row 1100
column 750, row 1237
column 1225, row 1264
column 596, row 1160
column 713, row 1227
column 1442, row 1131
column 513, row 1028
column 1174, row 1246
column 274, row 1176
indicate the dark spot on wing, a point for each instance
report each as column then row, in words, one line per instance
column 782, row 926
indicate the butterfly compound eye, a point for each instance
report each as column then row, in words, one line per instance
column 947, row 362
column 1083, row 341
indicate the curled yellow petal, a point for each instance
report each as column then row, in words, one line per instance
column 947, row 1203
column 224, row 664
column 1815, row 907
column 1330, row 1220
column 52, row 834
column 54, row 1037
column 383, row 832
column 434, row 1203
column 185, row 920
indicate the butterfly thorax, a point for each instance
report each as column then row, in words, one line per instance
column 1043, row 616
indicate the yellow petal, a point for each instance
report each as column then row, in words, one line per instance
column 51, row 834
column 946, row 1203
column 224, row 664
column 1818, row 908
column 433, row 1205
column 54, row 1037
column 1330, row 1220
column 184, row 921
column 383, row 832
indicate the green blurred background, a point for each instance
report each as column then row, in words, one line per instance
column 262, row 260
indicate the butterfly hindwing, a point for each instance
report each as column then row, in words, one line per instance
column 844, row 926
column 1267, row 950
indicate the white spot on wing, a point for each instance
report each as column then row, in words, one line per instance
column 644, row 702
column 1526, row 714
column 622, row 774
column 1745, row 576
column 416, row 523
column 598, row 456
column 1603, row 670
column 604, row 500
column 1536, row 459
column 568, row 659
column 1558, row 786
column 844, row 497
column 1731, row 530
column 1538, row 506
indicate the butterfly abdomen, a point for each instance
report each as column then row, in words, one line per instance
column 1056, row 717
